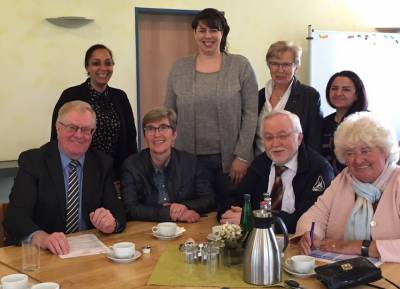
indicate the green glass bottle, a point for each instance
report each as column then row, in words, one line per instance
column 246, row 218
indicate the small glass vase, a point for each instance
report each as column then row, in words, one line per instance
column 233, row 253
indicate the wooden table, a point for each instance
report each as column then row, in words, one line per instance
column 6, row 270
column 99, row 272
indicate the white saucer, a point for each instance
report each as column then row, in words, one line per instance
column 179, row 232
column 30, row 285
column 112, row 257
column 289, row 270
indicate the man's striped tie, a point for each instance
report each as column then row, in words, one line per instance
column 277, row 188
column 72, row 199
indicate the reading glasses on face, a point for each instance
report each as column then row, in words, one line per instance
column 71, row 128
column 150, row 130
column 277, row 65
column 280, row 137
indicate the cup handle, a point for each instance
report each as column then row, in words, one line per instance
column 288, row 263
column 154, row 229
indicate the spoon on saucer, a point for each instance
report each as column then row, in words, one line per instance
column 292, row 284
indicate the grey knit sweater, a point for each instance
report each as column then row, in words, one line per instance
column 237, row 102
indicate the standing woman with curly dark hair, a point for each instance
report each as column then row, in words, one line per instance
column 345, row 92
column 215, row 96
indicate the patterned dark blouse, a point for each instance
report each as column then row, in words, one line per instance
column 327, row 144
column 106, row 137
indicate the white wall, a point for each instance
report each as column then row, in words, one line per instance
column 39, row 60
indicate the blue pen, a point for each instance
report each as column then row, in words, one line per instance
column 312, row 233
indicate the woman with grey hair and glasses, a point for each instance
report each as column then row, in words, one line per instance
column 359, row 214
column 162, row 183
column 284, row 91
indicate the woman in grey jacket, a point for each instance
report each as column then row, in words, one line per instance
column 215, row 96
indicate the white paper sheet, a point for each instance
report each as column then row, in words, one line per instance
column 330, row 257
column 84, row 245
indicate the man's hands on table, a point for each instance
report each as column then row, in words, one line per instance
column 56, row 243
column 232, row 216
column 103, row 220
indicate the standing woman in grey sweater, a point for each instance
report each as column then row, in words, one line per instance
column 215, row 96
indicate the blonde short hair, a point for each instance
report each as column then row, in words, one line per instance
column 364, row 128
column 279, row 47
column 78, row 106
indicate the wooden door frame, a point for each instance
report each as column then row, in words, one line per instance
column 155, row 11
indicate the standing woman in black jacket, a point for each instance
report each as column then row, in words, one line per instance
column 115, row 129
column 345, row 92
column 285, row 92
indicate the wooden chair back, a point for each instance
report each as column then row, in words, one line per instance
column 3, row 210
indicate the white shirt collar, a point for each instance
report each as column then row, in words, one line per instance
column 292, row 163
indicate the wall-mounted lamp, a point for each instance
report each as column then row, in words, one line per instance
column 388, row 29
column 70, row 21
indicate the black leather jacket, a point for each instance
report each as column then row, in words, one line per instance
column 314, row 175
column 188, row 184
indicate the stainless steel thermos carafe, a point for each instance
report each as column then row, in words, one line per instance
column 262, row 257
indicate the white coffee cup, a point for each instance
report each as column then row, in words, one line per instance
column 302, row 263
column 124, row 250
column 15, row 281
column 166, row 229
column 46, row 285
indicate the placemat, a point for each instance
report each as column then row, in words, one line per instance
column 173, row 271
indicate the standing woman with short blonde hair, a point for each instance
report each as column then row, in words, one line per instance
column 215, row 96
column 284, row 91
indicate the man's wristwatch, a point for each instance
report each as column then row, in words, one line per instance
column 365, row 248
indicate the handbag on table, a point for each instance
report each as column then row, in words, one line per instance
column 348, row 273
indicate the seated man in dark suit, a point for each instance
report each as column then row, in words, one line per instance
column 293, row 174
column 161, row 183
column 64, row 186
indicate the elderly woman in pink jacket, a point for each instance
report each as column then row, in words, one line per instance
column 359, row 213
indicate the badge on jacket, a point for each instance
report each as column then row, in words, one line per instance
column 319, row 185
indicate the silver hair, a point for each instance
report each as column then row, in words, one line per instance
column 364, row 128
column 294, row 119
column 78, row 106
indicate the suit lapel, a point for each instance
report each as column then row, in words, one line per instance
column 291, row 104
column 89, row 183
column 55, row 169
